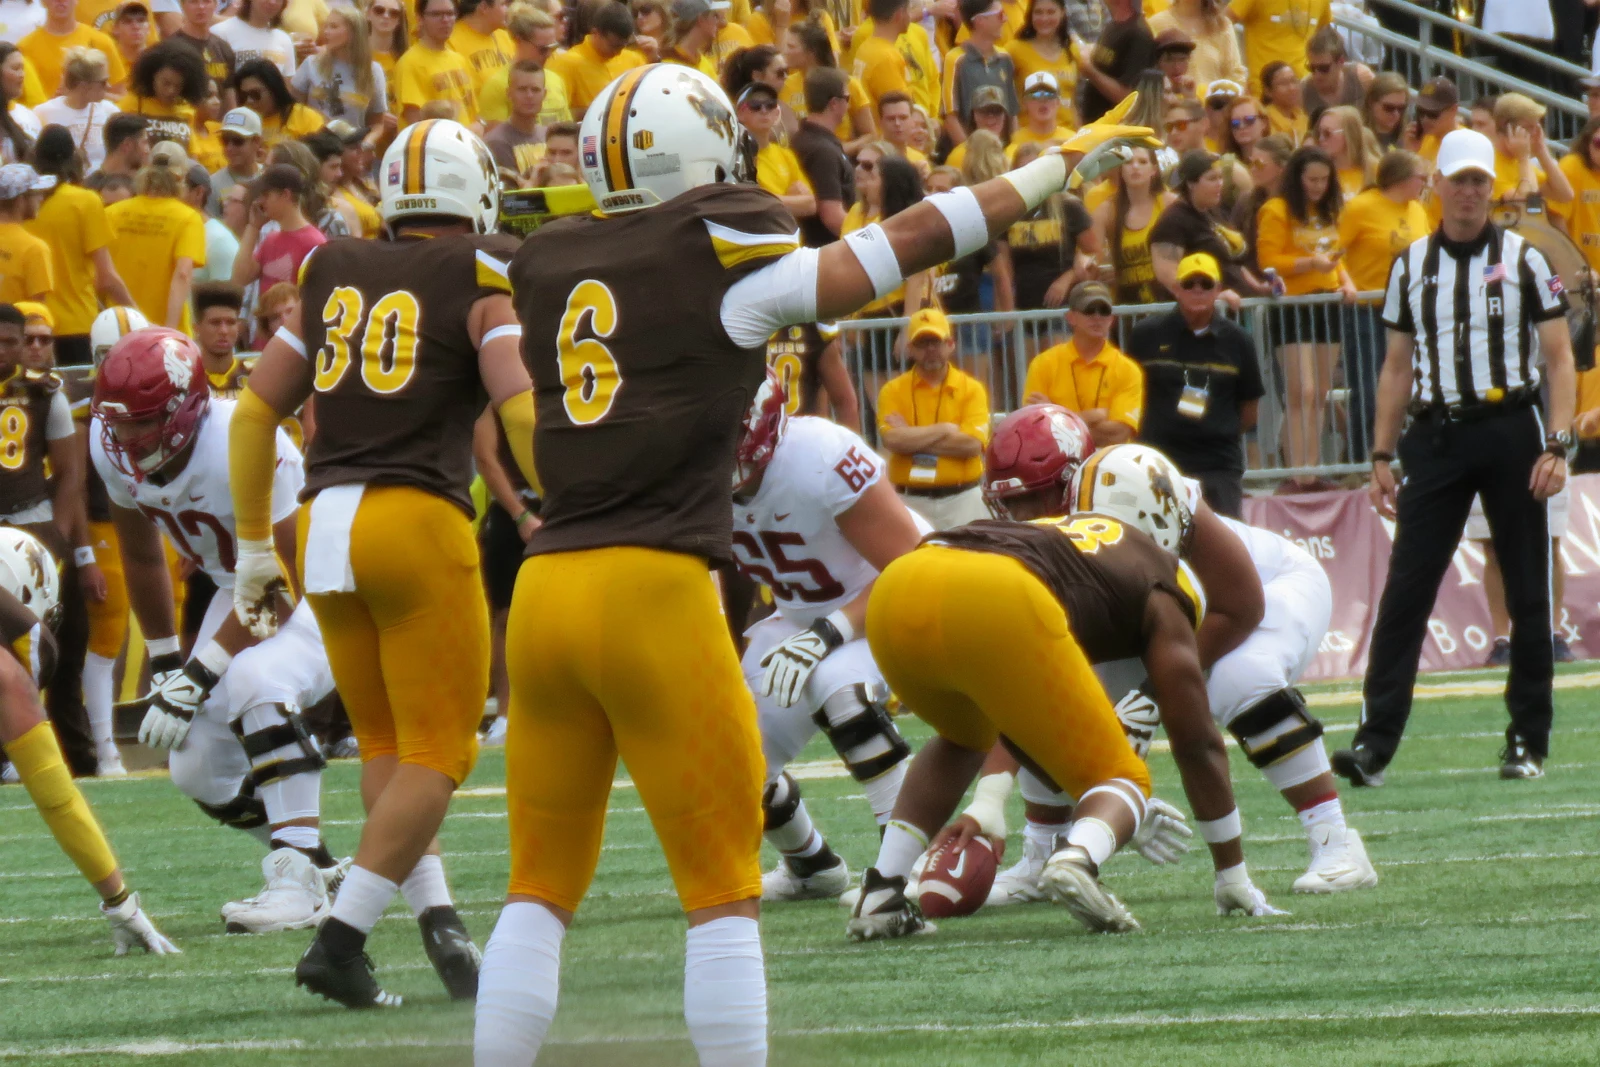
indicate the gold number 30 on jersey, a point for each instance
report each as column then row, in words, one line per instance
column 588, row 369
column 388, row 346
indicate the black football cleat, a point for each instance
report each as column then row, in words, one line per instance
column 1359, row 764
column 1516, row 762
column 451, row 951
column 347, row 980
column 883, row 911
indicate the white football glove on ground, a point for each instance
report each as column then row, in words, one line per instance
column 1163, row 836
column 131, row 929
column 789, row 666
column 257, row 579
column 1237, row 894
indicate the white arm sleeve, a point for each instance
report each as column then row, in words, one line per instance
column 780, row 294
column 58, row 423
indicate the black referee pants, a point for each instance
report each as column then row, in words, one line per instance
column 1444, row 466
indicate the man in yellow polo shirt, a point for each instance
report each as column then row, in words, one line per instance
column 933, row 420
column 1088, row 374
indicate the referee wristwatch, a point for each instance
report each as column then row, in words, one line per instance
column 1562, row 444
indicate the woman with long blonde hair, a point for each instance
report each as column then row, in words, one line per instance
column 388, row 37
column 1352, row 147
column 343, row 80
column 1125, row 221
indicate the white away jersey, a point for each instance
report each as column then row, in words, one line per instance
column 786, row 537
column 195, row 509
column 1272, row 553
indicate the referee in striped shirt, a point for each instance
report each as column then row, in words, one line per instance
column 1472, row 312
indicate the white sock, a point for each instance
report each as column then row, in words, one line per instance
column 798, row 831
column 902, row 844
column 97, row 678
column 300, row 837
column 362, row 899
column 725, row 993
column 1328, row 813
column 884, row 790
column 1094, row 837
column 517, row 986
column 813, row 845
column 298, row 796
column 1041, row 836
column 425, row 886
column 1298, row 768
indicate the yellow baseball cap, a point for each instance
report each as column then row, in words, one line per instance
column 1200, row 263
column 32, row 309
column 930, row 322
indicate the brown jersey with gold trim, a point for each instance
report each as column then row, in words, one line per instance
column 397, row 384
column 640, row 390
column 794, row 354
column 231, row 382
column 24, row 414
column 1102, row 571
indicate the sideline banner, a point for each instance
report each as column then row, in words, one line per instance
column 1343, row 533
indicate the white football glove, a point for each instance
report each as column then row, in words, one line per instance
column 1140, row 717
column 257, row 581
column 174, row 700
column 1163, row 836
column 790, row 663
column 131, row 928
column 1236, row 894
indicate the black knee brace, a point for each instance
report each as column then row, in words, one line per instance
column 284, row 734
column 779, row 802
column 870, row 721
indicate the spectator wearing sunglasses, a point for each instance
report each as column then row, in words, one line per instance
column 778, row 171
column 1243, row 125
column 1438, row 112
column 1385, row 111
column 1202, row 385
column 1087, row 373
column 1216, row 46
column 1333, row 80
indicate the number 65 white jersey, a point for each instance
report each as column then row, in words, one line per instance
column 195, row 508
column 787, row 538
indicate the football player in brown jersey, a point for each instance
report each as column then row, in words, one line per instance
column 29, row 599
column 1016, row 662
column 645, row 326
column 398, row 339
column 809, row 362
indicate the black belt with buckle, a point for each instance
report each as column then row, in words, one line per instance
column 1514, row 400
column 939, row 491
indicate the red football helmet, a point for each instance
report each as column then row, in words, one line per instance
column 1033, row 448
column 761, row 431
column 152, row 376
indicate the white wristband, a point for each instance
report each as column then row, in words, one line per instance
column 288, row 337
column 968, row 225
column 214, row 658
column 876, row 256
column 162, row 646
column 988, row 807
column 1039, row 180
column 1216, row 831
column 83, row 555
column 839, row 622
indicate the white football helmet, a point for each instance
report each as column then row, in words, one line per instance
column 111, row 326
column 439, row 167
column 657, row 131
column 1139, row 486
column 28, row 572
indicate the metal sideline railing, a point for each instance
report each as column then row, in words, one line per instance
column 1430, row 21
column 1420, row 60
column 1306, row 426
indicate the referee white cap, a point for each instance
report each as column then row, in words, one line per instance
column 1465, row 150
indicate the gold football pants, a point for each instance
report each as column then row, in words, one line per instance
column 977, row 647
column 624, row 651
column 410, row 647
column 108, row 619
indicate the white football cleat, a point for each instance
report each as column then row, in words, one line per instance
column 1019, row 883
column 9, row 775
column 108, row 762
column 294, row 898
column 495, row 735
column 1338, row 862
column 131, row 928
column 333, row 877
column 781, row 883
column 1072, row 880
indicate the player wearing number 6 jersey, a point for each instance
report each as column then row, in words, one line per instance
column 231, row 715
column 814, row 521
column 399, row 339
column 645, row 329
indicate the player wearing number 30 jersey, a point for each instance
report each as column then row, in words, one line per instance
column 399, row 339
column 814, row 521
column 646, row 325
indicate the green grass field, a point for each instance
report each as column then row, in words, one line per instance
column 1478, row 946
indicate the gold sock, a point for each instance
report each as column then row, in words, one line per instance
column 37, row 758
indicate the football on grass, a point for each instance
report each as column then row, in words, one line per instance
column 956, row 881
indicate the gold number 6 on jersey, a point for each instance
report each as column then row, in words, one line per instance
column 395, row 317
column 588, row 369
